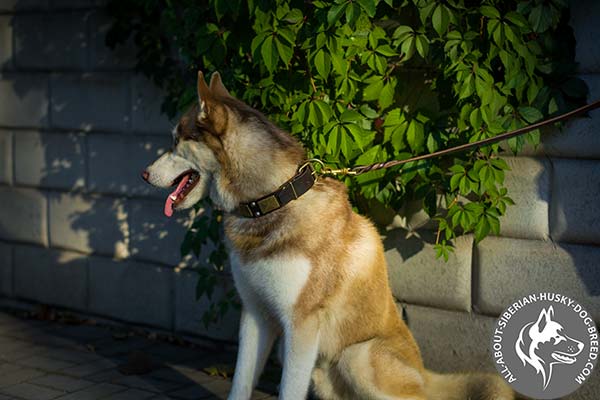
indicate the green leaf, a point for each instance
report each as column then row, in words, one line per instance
column 387, row 96
column 257, row 41
column 369, row 6
column 339, row 63
column 335, row 12
column 221, row 8
column 325, row 110
column 499, row 35
column 492, row 26
column 489, row 11
column 475, row 118
column 288, row 35
column 315, row 117
column 269, row 53
column 516, row 18
column 321, row 40
column 373, row 91
column 362, row 138
column 394, row 117
column 494, row 223
column 346, row 143
column 350, row 116
column 464, row 185
column 368, row 111
column 440, row 19
column 370, row 156
column 481, row 229
column 334, row 141
column 386, row 50
column 352, row 13
column 540, row 18
column 468, row 87
column 432, row 143
column 443, row 250
column 425, row 10
column 415, row 136
column 485, row 174
column 402, row 32
column 408, row 47
column 454, row 181
column 322, row 63
column 294, row 16
column 285, row 52
column 530, row 114
column 397, row 136
column 422, row 45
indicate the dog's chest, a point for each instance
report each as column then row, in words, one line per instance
column 273, row 283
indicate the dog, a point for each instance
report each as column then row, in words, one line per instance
column 543, row 344
column 311, row 271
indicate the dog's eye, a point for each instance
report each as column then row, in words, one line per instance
column 557, row 339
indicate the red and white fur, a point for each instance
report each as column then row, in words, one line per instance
column 312, row 273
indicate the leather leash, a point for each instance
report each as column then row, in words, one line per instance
column 307, row 175
column 362, row 169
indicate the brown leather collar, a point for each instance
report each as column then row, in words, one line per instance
column 295, row 187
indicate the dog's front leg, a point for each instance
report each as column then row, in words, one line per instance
column 256, row 340
column 300, row 349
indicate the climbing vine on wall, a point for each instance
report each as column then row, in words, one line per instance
column 362, row 81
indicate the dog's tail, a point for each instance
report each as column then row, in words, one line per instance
column 474, row 386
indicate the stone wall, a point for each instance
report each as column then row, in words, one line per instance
column 78, row 226
column 80, row 230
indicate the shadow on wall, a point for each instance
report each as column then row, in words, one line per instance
column 77, row 162
column 575, row 209
column 88, row 233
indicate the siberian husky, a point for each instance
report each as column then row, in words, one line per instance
column 307, row 268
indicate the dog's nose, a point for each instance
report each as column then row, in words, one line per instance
column 145, row 175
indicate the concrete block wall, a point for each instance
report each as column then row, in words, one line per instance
column 78, row 227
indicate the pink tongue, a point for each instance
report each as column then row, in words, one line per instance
column 170, row 201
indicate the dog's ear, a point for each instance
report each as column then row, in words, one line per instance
column 211, row 110
column 544, row 318
column 204, row 96
column 216, row 85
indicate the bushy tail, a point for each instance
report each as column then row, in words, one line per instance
column 468, row 386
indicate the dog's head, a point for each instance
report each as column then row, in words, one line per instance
column 221, row 147
column 544, row 343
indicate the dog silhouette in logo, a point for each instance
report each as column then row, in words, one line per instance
column 543, row 343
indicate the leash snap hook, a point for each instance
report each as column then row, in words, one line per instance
column 325, row 170
column 338, row 171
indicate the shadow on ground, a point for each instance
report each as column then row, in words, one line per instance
column 73, row 359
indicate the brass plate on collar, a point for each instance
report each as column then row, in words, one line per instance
column 269, row 204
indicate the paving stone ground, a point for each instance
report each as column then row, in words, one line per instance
column 45, row 360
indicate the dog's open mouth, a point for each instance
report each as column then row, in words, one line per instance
column 185, row 183
column 563, row 358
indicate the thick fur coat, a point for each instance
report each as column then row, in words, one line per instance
column 312, row 272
